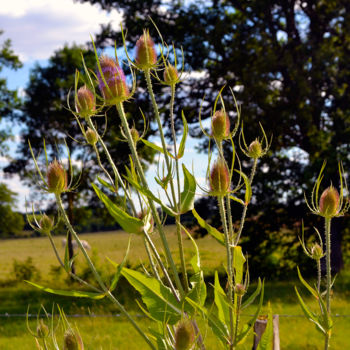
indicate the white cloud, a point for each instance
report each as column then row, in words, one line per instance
column 38, row 27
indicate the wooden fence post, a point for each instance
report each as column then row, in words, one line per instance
column 259, row 329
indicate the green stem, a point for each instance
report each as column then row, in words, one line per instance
column 150, row 258
column 244, row 212
column 151, row 203
column 229, row 265
column 328, row 262
column 45, row 345
column 238, row 312
column 111, row 162
column 319, row 275
column 96, row 274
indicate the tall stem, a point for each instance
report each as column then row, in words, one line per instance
column 229, row 265
column 244, row 212
column 96, row 274
column 151, row 203
column 328, row 262
column 238, row 312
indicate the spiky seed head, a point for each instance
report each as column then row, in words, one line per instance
column 220, row 124
column 316, row 251
column 170, row 75
column 46, row 224
column 329, row 202
column 42, row 330
column 56, row 178
column 85, row 102
column 91, row 136
column 239, row 289
column 146, row 55
column 255, row 149
column 184, row 336
column 134, row 134
column 219, row 178
column 115, row 90
column 72, row 341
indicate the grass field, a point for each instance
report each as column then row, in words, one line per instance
column 295, row 331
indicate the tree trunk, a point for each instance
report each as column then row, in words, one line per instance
column 259, row 329
column 70, row 197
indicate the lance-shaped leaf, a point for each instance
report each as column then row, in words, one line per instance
column 210, row 229
column 158, row 298
column 184, row 137
column 106, row 184
column 156, row 147
column 70, row 293
column 309, row 314
column 248, row 187
column 325, row 318
column 242, row 336
column 309, row 288
column 221, row 301
column 266, row 341
column 128, row 223
column 187, row 196
column 252, row 297
column 238, row 262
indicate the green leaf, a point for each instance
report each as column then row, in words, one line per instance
column 106, row 184
column 187, row 196
column 70, row 293
column 242, row 336
column 248, row 187
column 238, row 262
column 158, row 298
column 221, row 301
column 325, row 319
column 252, row 297
column 210, row 229
column 128, row 223
column 119, row 268
column 184, row 137
column 310, row 289
column 266, row 341
column 156, row 147
column 309, row 315
column 238, row 200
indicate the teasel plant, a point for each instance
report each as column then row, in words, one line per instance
column 329, row 205
column 173, row 297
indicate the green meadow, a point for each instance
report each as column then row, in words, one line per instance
column 101, row 330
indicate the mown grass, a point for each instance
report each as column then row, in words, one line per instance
column 116, row 333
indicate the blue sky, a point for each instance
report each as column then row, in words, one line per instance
column 39, row 27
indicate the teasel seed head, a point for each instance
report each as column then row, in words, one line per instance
column 329, row 202
column 56, row 178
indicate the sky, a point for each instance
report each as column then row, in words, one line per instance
column 39, row 27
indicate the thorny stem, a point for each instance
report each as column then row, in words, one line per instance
column 319, row 275
column 96, row 274
column 229, row 265
column 151, row 203
column 238, row 311
column 251, row 177
column 328, row 274
column 115, row 170
column 178, row 201
column 150, row 258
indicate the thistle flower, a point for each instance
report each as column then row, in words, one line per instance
column 316, row 252
column 85, row 104
column 255, row 150
column 46, row 224
column 56, row 178
column 220, row 125
column 170, row 75
column 72, row 341
column 146, row 56
column 111, row 82
column 184, row 336
column 329, row 202
column 239, row 289
column 219, row 178
column 91, row 137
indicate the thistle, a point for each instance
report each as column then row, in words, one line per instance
column 111, row 81
column 72, row 341
column 184, row 336
column 219, row 178
column 220, row 125
column 146, row 56
column 42, row 330
column 56, row 178
column 329, row 202
column 170, row 75
column 85, row 102
column 46, row 224
column 255, row 150
column 91, row 137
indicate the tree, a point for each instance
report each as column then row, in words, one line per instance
column 289, row 62
column 45, row 116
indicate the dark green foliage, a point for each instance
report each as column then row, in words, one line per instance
column 25, row 270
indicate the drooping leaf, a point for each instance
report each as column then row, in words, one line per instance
column 127, row 222
column 184, row 137
column 238, row 262
column 252, row 297
column 248, row 187
column 106, row 184
column 309, row 288
column 187, row 195
column 70, row 293
column 158, row 298
column 221, row 301
column 210, row 229
column 155, row 147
